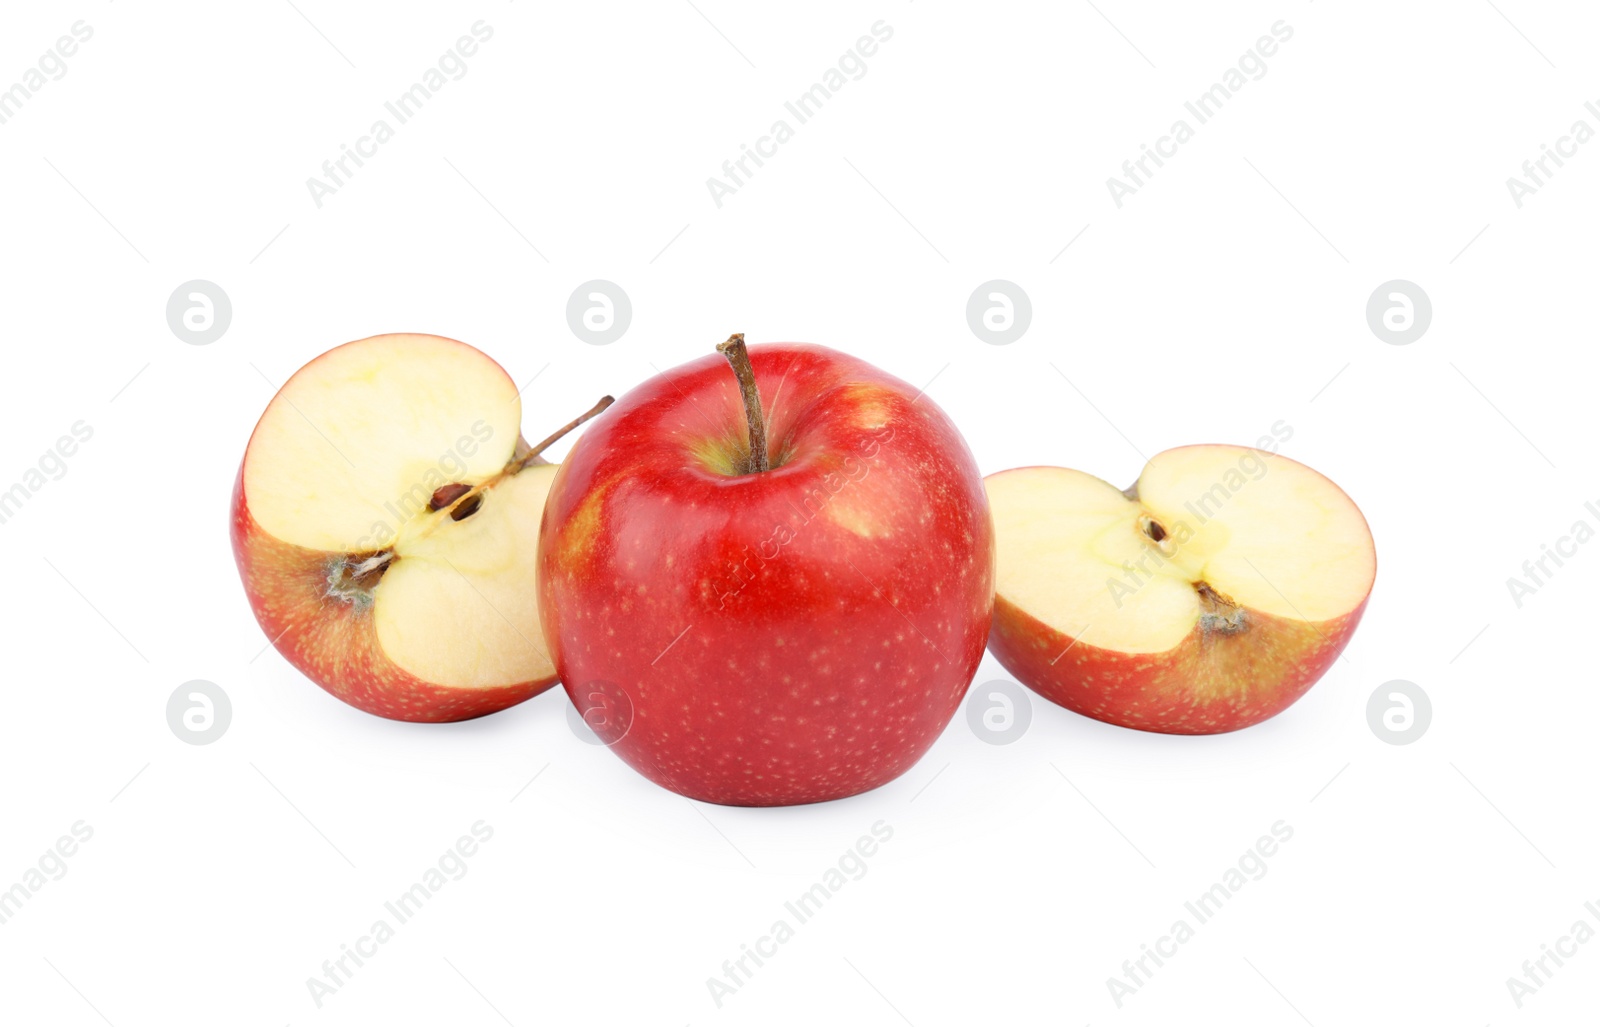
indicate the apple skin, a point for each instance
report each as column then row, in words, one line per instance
column 794, row 636
column 1269, row 667
column 334, row 643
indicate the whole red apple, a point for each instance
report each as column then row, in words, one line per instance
column 785, row 622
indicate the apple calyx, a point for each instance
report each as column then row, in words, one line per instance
column 739, row 358
column 352, row 577
column 1219, row 615
column 353, row 580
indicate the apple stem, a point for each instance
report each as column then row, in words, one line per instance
column 461, row 505
column 532, row 454
column 739, row 358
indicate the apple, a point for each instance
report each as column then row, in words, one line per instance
column 385, row 523
column 771, row 586
column 1207, row 597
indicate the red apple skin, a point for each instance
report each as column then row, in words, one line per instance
column 335, row 643
column 768, row 639
column 1208, row 684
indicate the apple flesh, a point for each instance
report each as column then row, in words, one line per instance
column 1208, row 597
column 761, row 638
column 385, row 521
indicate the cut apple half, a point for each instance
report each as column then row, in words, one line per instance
column 386, row 525
column 1207, row 597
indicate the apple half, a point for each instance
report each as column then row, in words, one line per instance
column 1206, row 598
column 386, row 525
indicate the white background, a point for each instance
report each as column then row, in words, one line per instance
column 1226, row 295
